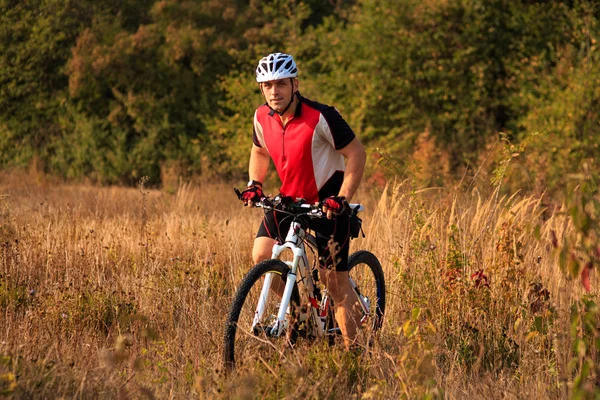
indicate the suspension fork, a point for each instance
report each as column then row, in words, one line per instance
column 262, row 300
column 285, row 298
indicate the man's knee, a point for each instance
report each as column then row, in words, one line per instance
column 262, row 250
column 258, row 256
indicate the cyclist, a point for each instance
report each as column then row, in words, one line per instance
column 307, row 142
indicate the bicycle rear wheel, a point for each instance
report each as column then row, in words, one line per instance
column 367, row 275
column 245, row 343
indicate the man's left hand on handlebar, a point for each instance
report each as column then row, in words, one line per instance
column 334, row 205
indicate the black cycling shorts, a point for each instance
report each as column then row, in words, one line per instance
column 275, row 225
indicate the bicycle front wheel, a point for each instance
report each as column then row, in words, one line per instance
column 368, row 281
column 249, row 335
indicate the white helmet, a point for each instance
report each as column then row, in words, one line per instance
column 276, row 66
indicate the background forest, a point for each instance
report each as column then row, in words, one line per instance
column 109, row 91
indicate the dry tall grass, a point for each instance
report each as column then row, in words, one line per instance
column 110, row 292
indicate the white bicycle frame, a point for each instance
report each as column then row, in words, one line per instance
column 299, row 264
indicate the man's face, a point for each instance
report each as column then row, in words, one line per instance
column 279, row 93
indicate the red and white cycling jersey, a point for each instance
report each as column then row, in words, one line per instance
column 304, row 151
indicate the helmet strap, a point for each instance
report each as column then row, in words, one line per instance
column 288, row 106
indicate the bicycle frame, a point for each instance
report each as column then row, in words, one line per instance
column 294, row 241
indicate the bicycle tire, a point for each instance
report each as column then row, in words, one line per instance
column 244, row 303
column 365, row 284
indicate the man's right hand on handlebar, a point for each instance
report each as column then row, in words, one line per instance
column 334, row 205
column 252, row 195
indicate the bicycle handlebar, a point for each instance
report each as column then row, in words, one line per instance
column 298, row 206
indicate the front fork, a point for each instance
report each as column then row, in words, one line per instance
column 277, row 327
column 299, row 260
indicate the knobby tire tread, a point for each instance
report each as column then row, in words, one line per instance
column 368, row 258
column 252, row 278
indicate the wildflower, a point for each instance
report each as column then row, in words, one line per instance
column 585, row 276
column 480, row 279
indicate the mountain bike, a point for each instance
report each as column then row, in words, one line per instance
column 263, row 324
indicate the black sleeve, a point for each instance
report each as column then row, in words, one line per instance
column 340, row 130
column 255, row 138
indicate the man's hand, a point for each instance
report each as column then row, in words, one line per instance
column 252, row 195
column 334, row 205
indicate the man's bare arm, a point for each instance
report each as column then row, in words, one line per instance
column 259, row 163
column 355, row 167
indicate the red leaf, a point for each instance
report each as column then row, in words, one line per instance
column 585, row 276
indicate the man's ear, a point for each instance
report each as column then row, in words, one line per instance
column 296, row 84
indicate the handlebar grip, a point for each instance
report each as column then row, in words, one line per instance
column 266, row 201
column 239, row 194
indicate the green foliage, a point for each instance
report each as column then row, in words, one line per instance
column 585, row 340
column 12, row 294
column 35, row 41
column 102, row 311
column 418, row 356
column 115, row 90
column 559, row 97
column 578, row 255
column 149, row 88
column 565, row 110
column 447, row 68
column 8, row 380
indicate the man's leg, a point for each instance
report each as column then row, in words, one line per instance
column 347, row 308
column 333, row 254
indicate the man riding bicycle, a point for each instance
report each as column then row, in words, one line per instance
column 307, row 142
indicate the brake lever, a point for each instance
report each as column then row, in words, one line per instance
column 238, row 193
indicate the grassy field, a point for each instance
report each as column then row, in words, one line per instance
column 120, row 292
